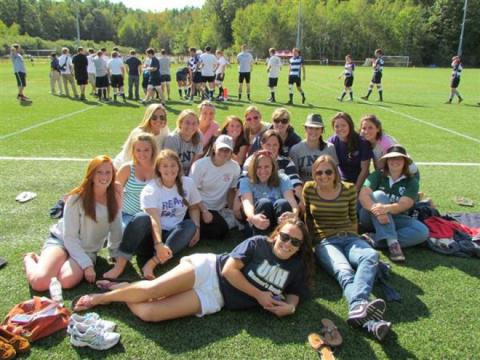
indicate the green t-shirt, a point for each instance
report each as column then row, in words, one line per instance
column 407, row 186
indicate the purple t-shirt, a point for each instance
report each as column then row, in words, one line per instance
column 349, row 163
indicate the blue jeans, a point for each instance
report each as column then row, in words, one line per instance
column 352, row 262
column 272, row 210
column 137, row 237
column 402, row 228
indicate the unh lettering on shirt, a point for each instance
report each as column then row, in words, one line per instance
column 170, row 206
column 270, row 277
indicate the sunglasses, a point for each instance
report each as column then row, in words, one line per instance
column 328, row 172
column 284, row 121
column 159, row 117
column 252, row 118
column 286, row 238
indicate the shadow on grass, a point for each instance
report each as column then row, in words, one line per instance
column 404, row 104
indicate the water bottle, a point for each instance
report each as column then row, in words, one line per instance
column 56, row 290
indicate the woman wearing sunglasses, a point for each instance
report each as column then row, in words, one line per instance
column 281, row 123
column 268, row 272
column 266, row 195
column 330, row 213
column 254, row 126
column 154, row 122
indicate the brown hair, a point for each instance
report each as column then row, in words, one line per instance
column 241, row 140
column 274, row 179
column 86, row 193
column 375, row 121
column 329, row 160
column 182, row 116
column 405, row 170
column 167, row 154
column 353, row 138
column 272, row 133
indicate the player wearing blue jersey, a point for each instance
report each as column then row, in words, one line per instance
column 348, row 75
column 456, row 72
column 377, row 65
column 295, row 75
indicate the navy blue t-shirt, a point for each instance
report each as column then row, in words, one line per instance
column 264, row 271
column 155, row 64
column 133, row 63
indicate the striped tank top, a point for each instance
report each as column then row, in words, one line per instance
column 131, row 193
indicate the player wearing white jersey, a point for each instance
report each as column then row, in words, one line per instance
column 273, row 69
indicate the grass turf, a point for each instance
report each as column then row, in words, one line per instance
column 437, row 317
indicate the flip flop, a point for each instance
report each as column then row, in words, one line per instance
column 330, row 333
column 82, row 303
column 25, row 196
column 463, row 201
column 320, row 346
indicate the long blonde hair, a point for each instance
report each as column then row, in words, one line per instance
column 181, row 117
column 146, row 137
column 146, row 125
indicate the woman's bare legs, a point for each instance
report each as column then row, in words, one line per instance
column 40, row 269
column 71, row 274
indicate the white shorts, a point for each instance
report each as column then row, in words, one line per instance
column 206, row 284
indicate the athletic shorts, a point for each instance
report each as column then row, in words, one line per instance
column 244, row 76
column 348, row 82
column 377, row 77
column 116, row 81
column 206, row 286
column 91, row 78
column 21, row 79
column 165, row 78
column 81, row 79
column 145, row 81
column 154, row 81
column 101, row 81
column 197, row 77
column 220, row 77
column 208, row 79
column 272, row 82
column 181, row 77
column 455, row 82
column 294, row 79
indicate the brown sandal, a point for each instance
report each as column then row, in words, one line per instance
column 330, row 333
column 19, row 343
column 320, row 346
column 7, row 351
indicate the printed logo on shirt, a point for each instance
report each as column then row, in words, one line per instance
column 170, row 207
column 270, row 277
column 227, row 178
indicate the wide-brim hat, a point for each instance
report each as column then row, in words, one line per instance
column 395, row 151
column 314, row 120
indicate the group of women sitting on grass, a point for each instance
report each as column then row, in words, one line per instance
column 295, row 199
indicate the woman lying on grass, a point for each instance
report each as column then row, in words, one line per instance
column 271, row 272
column 92, row 215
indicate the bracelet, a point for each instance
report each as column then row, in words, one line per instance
column 159, row 243
column 293, row 309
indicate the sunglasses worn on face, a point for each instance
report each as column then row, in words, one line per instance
column 159, row 117
column 252, row 118
column 294, row 241
column 327, row 172
column 284, row 121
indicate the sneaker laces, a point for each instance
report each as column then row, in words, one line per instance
column 370, row 325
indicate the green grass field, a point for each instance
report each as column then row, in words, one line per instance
column 438, row 316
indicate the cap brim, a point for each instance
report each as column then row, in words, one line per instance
column 223, row 146
column 314, row 125
column 394, row 155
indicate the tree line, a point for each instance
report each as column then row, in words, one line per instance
column 426, row 30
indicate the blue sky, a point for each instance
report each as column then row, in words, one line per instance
column 159, row 5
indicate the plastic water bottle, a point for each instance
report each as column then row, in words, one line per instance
column 56, row 290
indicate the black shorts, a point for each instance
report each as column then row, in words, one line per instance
column 197, row 77
column 165, row 78
column 244, row 76
column 455, row 82
column 82, row 79
column 154, row 81
column 101, row 81
column 208, row 79
column 348, row 82
column 220, row 77
column 377, row 77
column 145, row 81
column 272, row 82
column 116, row 81
column 294, row 79
column 21, row 79
column 181, row 77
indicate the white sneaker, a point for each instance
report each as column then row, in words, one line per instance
column 90, row 319
column 94, row 338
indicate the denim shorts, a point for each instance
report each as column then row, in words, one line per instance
column 53, row 241
column 206, row 285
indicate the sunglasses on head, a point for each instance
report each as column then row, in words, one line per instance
column 327, row 172
column 284, row 121
column 294, row 241
column 159, row 117
column 255, row 117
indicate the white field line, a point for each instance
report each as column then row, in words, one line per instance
column 62, row 117
column 408, row 116
column 25, row 158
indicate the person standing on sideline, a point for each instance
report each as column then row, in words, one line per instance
column 296, row 68
column 208, row 65
column 456, row 72
column 153, row 77
column 182, row 82
column 165, row 77
column 194, row 72
column 116, row 69
column 101, row 76
column 55, row 75
column 348, row 75
column 220, row 73
column 66, row 67
column 80, row 65
column 19, row 70
column 134, row 70
column 245, row 62
column 273, row 69
column 91, row 70
column 377, row 65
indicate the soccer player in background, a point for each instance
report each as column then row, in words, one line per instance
column 116, row 69
column 134, row 66
column 220, row 73
column 294, row 75
column 80, row 65
column 273, row 68
column 377, row 65
column 208, row 64
column 165, row 77
column 456, row 72
column 19, row 70
column 91, row 70
column 194, row 72
column 182, row 81
column 348, row 75
column 245, row 62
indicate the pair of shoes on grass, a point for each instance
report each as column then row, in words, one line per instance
column 369, row 316
column 92, row 331
column 11, row 344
